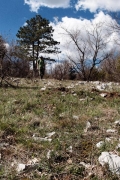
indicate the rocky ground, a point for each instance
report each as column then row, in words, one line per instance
column 59, row 130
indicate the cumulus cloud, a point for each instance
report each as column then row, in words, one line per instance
column 93, row 5
column 7, row 46
column 73, row 25
column 36, row 4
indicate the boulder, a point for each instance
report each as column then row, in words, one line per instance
column 112, row 160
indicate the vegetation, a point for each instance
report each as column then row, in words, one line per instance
column 89, row 51
column 46, row 120
column 49, row 129
column 36, row 38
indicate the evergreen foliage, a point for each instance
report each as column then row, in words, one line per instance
column 35, row 38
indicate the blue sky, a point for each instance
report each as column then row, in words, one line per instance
column 14, row 13
column 68, row 14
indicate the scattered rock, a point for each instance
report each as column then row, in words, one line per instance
column 103, row 94
column 82, row 99
column 20, row 167
column 88, row 125
column 117, row 122
column 69, row 149
column 32, row 161
column 118, row 146
column 75, row 117
column 50, row 134
column 112, row 160
column 47, row 138
column 43, row 89
column 111, row 130
column 49, row 154
column 101, row 87
column 100, row 144
column 108, row 139
column 42, row 139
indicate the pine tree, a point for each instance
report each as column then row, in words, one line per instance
column 36, row 37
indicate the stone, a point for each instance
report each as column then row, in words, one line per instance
column 101, row 87
column 43, row 89
column 103, row 94
column 32, row 161
column 48, row 154
column 20, row 167
column 111, row 130
column 100, row 144
column 117, row 122
column 75, row 117
column 88, row 126
column 50, row 134
column 112, row 160
column 69, row 149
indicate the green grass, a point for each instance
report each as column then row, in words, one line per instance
column 27, row 111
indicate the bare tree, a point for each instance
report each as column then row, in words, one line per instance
column 111, row 68
column 3, row 51
column 88, row 48
column 115, row 24
column 61, row 71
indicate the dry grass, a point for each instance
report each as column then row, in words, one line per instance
column 35, row 108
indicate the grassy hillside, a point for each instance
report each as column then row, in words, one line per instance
column 49, row 129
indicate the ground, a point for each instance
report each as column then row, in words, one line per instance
column 49, row 129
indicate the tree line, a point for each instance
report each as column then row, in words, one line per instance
column 89, row 59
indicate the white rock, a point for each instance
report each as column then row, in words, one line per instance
column 48, row 154
column 75, row 117
column 70, row 149
column 81, row 82
column 71, row 86
column 82, row 99
column 117, row 122
column 46, row 139
column 20, row 167
column 118, row 146
column 112, row 160
column 101, row 87
column 50, row 84
column 74, row 94
column 50, row 134
column 88, row 125
column 62, row 115
column 111, row 130
column 108, row 139
column 87, row 166
column 32, row 161
column 103, row 94
column 100, row 144
column 41, row 139
column 96, row 82
column 43, row 89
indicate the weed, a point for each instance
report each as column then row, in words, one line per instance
column 27, row 112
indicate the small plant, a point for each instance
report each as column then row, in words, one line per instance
column 63, row 107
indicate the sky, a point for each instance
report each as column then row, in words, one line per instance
column 14, row 13
column 70, row 14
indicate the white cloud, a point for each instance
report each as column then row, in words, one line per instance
column 73, row 24
column 36, row 4
column 7, row 46
column 93, row 5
